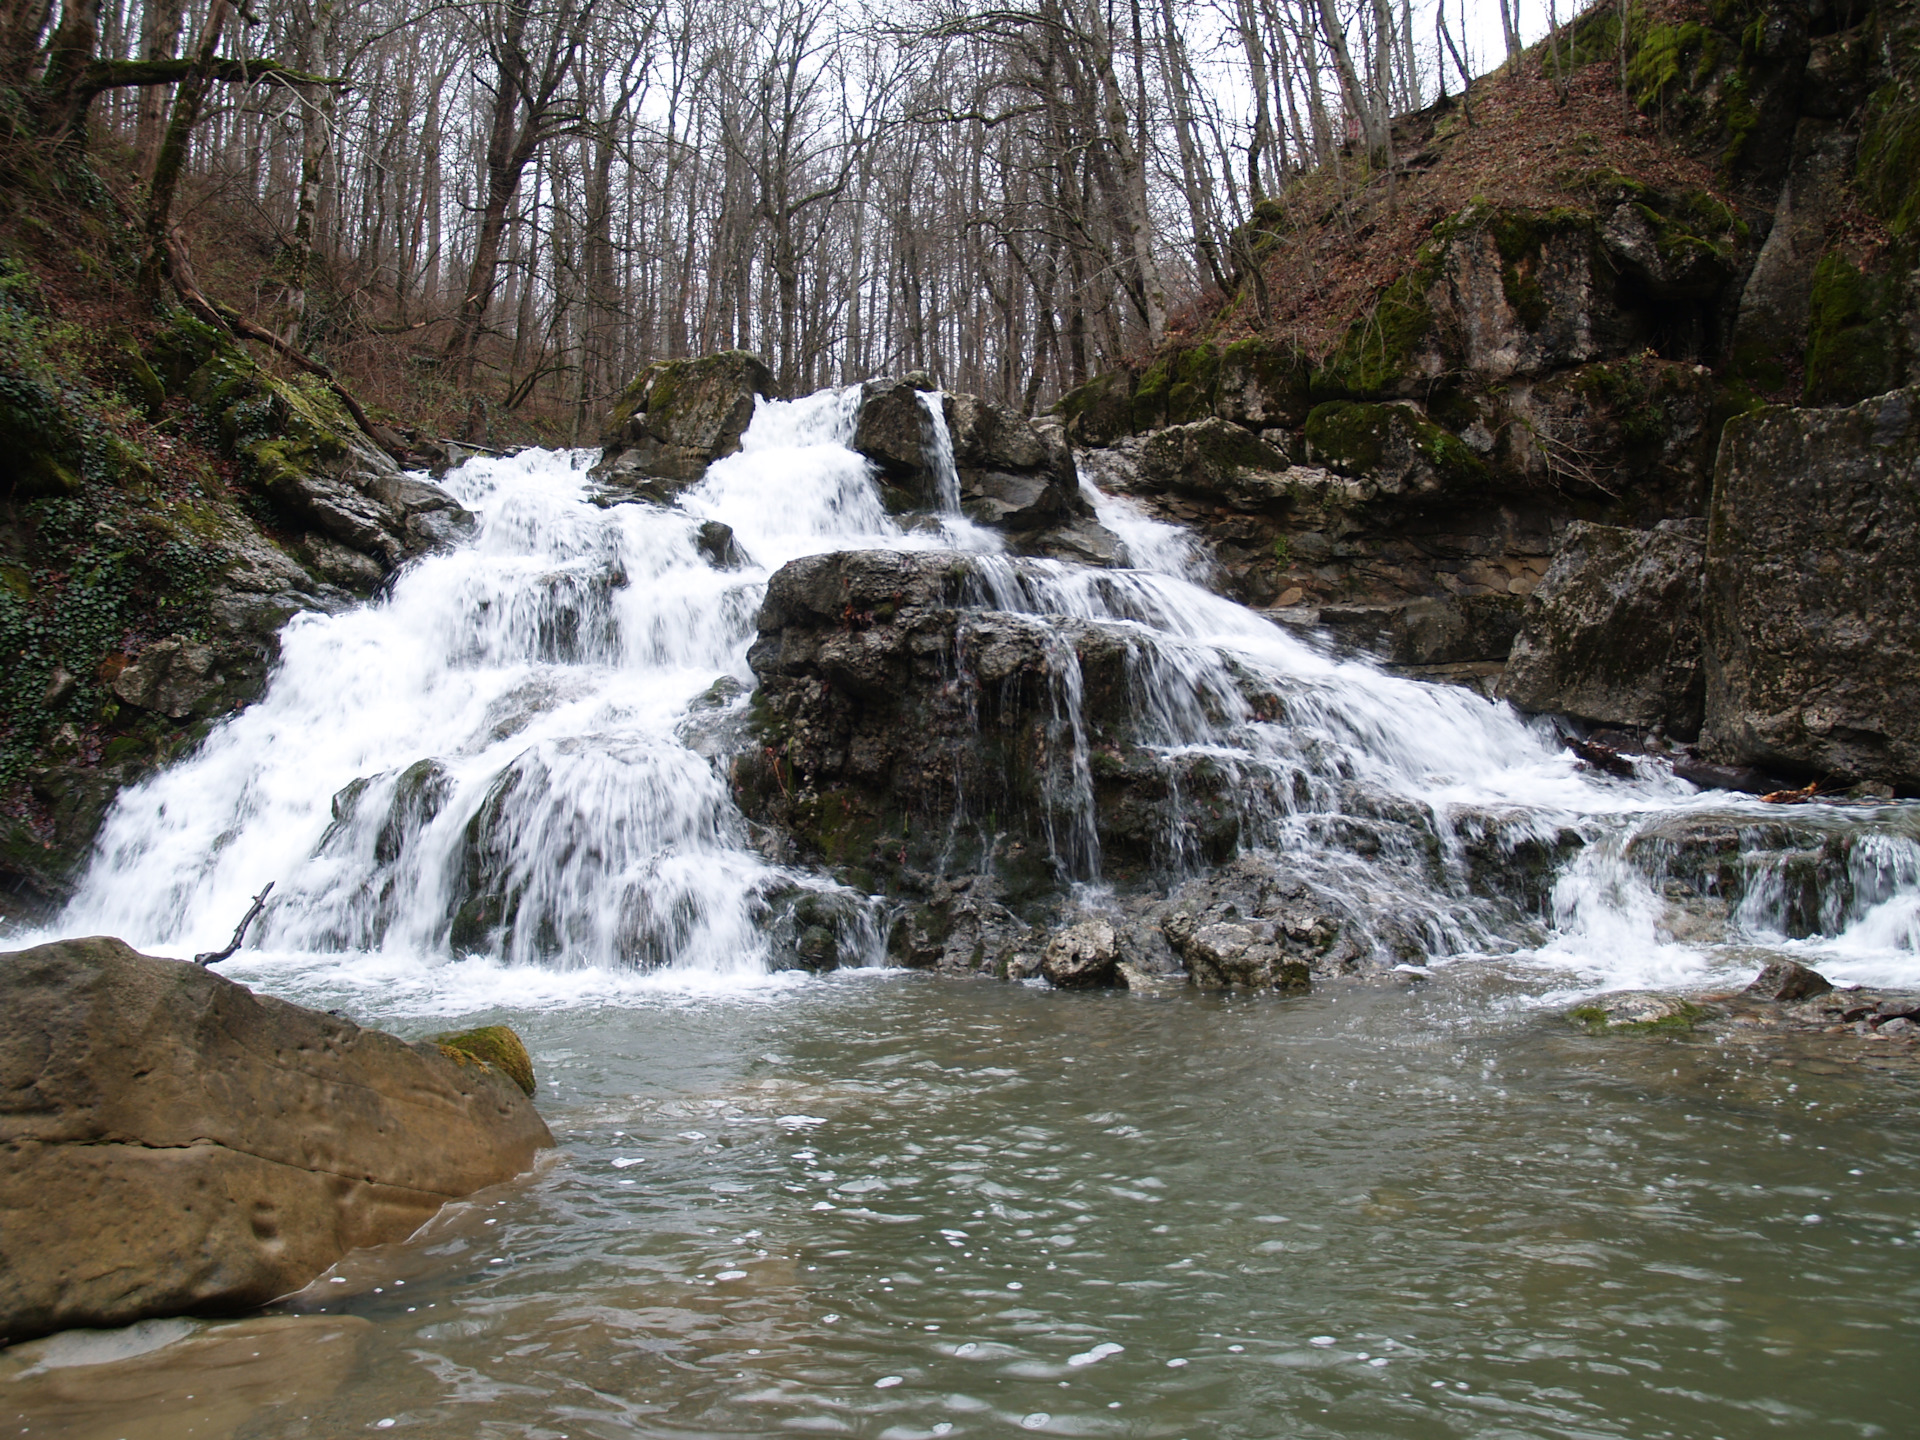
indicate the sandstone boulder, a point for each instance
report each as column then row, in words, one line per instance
column 1612, row 634
column 174, row 1143
column 1812, row 605
column 676, row 419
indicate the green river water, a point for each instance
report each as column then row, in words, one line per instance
column 896, row 1206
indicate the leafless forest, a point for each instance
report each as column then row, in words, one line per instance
column 526, row 200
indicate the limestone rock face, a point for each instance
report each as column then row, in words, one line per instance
column 676, row 419
column 175, row 1143
column 1813, row 589
column 1612, row 634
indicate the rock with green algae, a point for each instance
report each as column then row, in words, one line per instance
column 178, row 1144
column 494, row 1045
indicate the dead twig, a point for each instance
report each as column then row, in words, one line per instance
column 214, row 957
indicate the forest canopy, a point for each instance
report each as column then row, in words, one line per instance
column 524, row 201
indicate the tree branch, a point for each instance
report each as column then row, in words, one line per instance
column 123, row 74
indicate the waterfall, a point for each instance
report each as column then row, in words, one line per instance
column 946, row 478
column 520, row 752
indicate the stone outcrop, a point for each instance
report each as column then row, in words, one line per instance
column 174, row 1143
column 1013, row 474
column 905, row 731
column 676, row 419
column 1813, row 592
column 1612, row 634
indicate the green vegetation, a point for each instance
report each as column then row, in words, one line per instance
column 494, row 1045
column 1360, row 437
column 1597, row 1020
column 1890, row 153
column 1379, row 347
column 1850, row 333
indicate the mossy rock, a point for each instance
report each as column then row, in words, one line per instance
column 1193, row 376
column 41, row 450
column 1100, row 411
column 1635, row 1013
column 1851, row 326
column 494, row 1045
column 1149, row 408
column 1889, row 155
column 1262, row 383
column 1376, row 355
column 1394, row 444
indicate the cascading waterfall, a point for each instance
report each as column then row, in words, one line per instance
column 519, row 752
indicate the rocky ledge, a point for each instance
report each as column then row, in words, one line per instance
column 1787, row 1005
column 175, row 1144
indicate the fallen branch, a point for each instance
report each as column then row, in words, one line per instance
column 225, row 317
column 1601, row 757
column 214, row 957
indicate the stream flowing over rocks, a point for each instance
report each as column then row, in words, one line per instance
column 878, row 676
column 1378, row 1062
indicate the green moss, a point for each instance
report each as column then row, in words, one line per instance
column 1193, row 379
column 1665, row 54
column 494, row 1045
column 1850, row 333
column 1360, row 437
column 1100, row 411
column 1596, row 1020
column 1378, row 349
column 1890, row 153
column 1150, row 396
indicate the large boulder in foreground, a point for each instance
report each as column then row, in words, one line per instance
column 1612, row 634
column 174, row 1143
column 676, row 419
column 1812, row 607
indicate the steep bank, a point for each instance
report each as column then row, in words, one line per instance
column 1547, row 314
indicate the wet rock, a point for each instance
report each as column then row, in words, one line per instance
column 1612, row 634
column 894, row 431
column 1812, row 607
column 1225, row 956
column 176, row 1143
column 1081, row 956
column 1708, row 776
column 1636, row 1011
column 676, row 419
column 1788, row 980
column 172, row 677
column 715, row 541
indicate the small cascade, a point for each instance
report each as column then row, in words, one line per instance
column 946, row 477
column 522, row 752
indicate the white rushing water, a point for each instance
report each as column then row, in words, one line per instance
column 519, row 753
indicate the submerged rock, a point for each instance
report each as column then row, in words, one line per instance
column 177, row 1144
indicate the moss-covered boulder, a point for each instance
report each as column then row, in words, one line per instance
column 677, row 418
column 1100, row 411
column 1393, row 446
